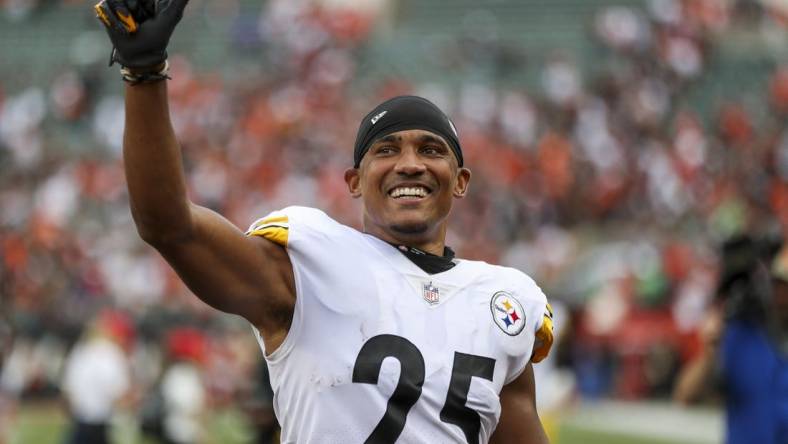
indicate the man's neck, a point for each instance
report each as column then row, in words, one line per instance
column 435, row 246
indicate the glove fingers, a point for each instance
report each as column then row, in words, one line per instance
column 136, row 11
column 173, row 9
column 108, row 17
column 123, row 13
column 141, row 10
column 149, row 7
column 102, row 13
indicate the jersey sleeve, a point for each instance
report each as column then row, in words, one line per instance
column 539, row 310
column 275, row 227
column 298, row 228
column 543, row 336
column 534, row 341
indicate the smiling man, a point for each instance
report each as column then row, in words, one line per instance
column 407, row 168
column 375, row 336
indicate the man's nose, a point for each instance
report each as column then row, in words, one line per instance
column 409, row 163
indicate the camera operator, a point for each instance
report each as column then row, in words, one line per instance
column 744, row 356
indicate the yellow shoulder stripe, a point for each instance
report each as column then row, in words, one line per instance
column 273, row 219
column 274, row 228
column 544, row 337
column 275, row 234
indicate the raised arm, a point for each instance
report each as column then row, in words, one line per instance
column 248, row 276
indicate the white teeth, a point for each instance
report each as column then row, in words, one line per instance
column 409, row 192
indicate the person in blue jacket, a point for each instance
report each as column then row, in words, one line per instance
column 744, row 356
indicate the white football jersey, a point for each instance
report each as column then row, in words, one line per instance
column 381, row 351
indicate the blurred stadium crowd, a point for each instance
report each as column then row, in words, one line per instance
column 604, row 184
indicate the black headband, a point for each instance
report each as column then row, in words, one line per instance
column 404, row 113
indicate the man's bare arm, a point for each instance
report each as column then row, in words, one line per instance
column 519, row 423
column 248, row 276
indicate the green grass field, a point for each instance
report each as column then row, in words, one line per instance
column 46, row 424
column 576, row 435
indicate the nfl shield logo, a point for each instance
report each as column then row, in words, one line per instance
column 431, row 293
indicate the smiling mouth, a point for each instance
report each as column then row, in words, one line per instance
column 409, row 192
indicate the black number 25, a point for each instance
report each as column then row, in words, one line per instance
column 411, row 379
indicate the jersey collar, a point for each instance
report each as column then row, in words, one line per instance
column 460, row 275
column 428, row 262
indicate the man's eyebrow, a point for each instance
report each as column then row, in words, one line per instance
column 429, row 138
column 391, row 138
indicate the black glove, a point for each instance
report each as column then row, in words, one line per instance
column 142, row 10
column 140, row 29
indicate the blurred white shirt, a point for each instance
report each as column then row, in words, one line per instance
column 95, row 378
column 184, row 398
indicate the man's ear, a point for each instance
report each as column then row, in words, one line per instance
column 461, row 186
column 353, row 181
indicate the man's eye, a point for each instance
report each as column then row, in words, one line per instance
column 431, row 150
column 385, row 150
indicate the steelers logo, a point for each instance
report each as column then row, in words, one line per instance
column 507, row 313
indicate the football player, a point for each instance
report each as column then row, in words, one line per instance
column 376, row 336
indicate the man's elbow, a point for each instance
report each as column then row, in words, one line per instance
column 159, row 230
column 160, row 237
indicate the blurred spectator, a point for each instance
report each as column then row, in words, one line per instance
column 743, row 354
column 174, row 410
column 96, row 377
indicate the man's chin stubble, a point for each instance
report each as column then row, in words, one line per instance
column 410, row 229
